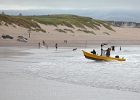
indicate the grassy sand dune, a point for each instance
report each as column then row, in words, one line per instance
column 57, row 28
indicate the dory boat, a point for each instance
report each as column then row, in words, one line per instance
column 92, row 56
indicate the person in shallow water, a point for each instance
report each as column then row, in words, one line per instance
column 94, row 52
column 108, row 52
column 56, row 46
column 39, row 45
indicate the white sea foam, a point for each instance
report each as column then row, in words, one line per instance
column 72, row 67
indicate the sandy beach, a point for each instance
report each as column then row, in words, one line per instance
column 17, row 84
column 122, row 36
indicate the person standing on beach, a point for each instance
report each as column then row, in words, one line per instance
column 43, row 43
column 39, row 45
column 56, row 46
column 46, row 46
column 85, row 44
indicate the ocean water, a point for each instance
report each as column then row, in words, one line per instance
column 65, row 65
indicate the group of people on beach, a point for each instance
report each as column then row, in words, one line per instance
column 45, row 45
column 56, row 46
column 103, row 52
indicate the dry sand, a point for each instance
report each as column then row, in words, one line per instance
column 122, row 36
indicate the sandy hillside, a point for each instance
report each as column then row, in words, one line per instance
column 120, row 36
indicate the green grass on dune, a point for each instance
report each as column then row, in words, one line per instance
column 68, row 20
column 86, row 31
column 60, row 30
column 20, row 21
column 69, row 30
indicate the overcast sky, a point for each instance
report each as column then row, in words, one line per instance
column 69, row 4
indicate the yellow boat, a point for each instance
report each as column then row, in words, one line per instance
column 92, row 56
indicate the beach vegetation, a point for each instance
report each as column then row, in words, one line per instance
column 86, row 31
column 6, row 24
column 68, row 30
column 60, row 30
column 105, row 24
column 106, row 33
column 0, row 23
column 20, row 21
column 13, row 25
column 69, row 20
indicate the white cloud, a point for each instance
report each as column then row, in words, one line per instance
column 68, row 4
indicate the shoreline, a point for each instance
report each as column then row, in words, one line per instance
column 78, row 43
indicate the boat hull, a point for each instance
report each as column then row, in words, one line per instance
column 91, row 56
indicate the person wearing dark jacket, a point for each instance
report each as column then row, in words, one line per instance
column 108, row 52
column 94, row 52
column 39, row 45
column 56, row 46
